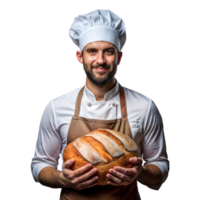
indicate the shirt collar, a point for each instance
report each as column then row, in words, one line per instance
column 108, row 95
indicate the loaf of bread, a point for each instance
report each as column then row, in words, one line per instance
column 104, row 149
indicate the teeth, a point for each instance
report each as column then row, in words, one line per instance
column 101, row 68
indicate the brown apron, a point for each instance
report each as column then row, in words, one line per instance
column 81, row 126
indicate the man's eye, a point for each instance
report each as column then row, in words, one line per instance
column 92, row 51
column 109, row 52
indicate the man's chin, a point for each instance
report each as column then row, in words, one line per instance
column 99, row 80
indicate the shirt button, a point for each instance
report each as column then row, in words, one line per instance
column 89, row 104
column 113, row 105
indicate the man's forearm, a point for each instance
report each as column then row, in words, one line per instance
column 51, row 177
column 150, row 175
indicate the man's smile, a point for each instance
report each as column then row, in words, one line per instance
column 100, row 69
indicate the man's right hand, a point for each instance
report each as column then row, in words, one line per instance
column 82, row 178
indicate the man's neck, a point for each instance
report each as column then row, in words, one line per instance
column 100, row 90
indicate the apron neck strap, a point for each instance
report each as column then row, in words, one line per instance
column 122, row 102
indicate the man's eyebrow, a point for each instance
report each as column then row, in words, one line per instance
column 109, row 48
column 91, row 48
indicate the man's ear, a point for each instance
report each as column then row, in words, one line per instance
column 119, row 57
column 79, row 56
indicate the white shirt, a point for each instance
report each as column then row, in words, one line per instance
column 143, row 116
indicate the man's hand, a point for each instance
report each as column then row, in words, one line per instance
column 79, row 179
column 124, row 176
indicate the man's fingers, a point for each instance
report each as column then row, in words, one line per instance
column 68, row 164
column 87, row 176
column 128, row 171
column 82, row 170
column 136, row 160
column 120, row 176
column 114, row 179
column 89, row 183
column 80, row 174
column 81, row 178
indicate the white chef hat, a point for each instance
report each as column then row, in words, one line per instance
column 99, row 25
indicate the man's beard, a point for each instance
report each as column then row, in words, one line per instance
column 99, row 80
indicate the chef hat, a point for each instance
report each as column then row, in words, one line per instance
column 99, row 25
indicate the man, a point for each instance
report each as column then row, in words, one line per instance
column 100, row 36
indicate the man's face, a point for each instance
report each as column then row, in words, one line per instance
column 100, row 60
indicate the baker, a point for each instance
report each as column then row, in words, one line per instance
column 101, row 103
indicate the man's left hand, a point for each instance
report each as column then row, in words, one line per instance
column 120, row 176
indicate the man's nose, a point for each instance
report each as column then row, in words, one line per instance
column 100, row 59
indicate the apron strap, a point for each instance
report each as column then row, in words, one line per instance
column 78, row 102
column 122, row 102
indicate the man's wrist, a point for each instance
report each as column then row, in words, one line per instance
column 62, row 180
column 51, row 177
column 150, row 175
column 141, row 173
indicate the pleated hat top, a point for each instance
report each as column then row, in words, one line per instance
column 98, row 25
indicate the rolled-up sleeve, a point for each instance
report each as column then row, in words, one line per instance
column 153, row 143
column 48, row 144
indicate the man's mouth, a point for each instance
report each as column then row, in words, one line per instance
column 100, row 69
